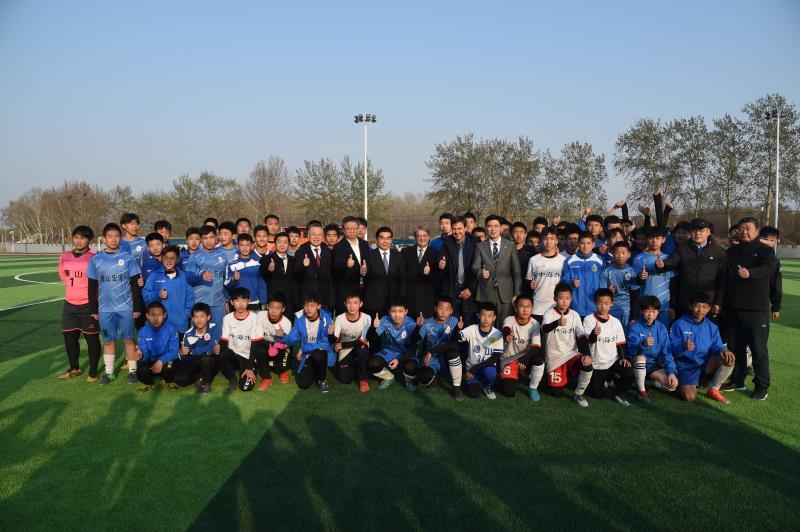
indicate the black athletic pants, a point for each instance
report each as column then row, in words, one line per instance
column 750, row 328
column 315, row 368
column 622, row 376
column 73, row 347
column 357, row 358
column 144, row 372
column 188, row 370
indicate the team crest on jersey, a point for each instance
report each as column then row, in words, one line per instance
column 477, row 349
column 138, row 248
column 594, row 267
column 403, row 334
column 219, row 259
column 447, row 330
column 628, row 276
column 121, row 262
column 206, row 337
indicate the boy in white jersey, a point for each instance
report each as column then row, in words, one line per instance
column 350, row 341
column 566, row 342
column 522, row 349
column 239, row 343
column 485, row 345
column 274, row 354
column 607, row 346
column 544, row 273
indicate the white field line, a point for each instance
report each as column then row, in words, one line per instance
column 32, row 304
column 18, row 277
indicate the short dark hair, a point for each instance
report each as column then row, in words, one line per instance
column 213, row 221
column 83, row 230
column 585, row 234
column 446, row 216
column 230, row 226
column 293, row 230
column 516, row 225
column 350, row 294
column 700, row 297
column 615, row 231
column 562, row 287
column 244, row 237
column 487, row 306
column 603, row 292
column 201, row 307
column 492, row 217
column 533, row 234
column 649, row 302
column 348, row 219
column 207, row 229
column 172, row 249
column 766, row 231
column 312, row 223
column 282, row 234
column 398, row 302
column 129, row 217
column 458, row 219
column 621, row 244
column 594, row 218
column 470, row 215
column 156, row 304
column 240, row 292
column 549, row 231
column 192, row 231
column 362, row 221
column 277, row 297
column 330, row 227
column 153, row 236
column 682, row 226
column 259, row 228
column 540, row 220
column 479, row 229
column 749, row 220
column 312, row 297
column 611, row 219
column 443, row 298
column 572, row 229
column 521, row 297
column 111, row 227
column 243, row 219
column 162, row 224
column 271, row 217
column 384, row 229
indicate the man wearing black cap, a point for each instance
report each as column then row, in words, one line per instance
column 700, row 264
column 750, row 268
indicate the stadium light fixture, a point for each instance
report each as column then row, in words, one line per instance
column 365, row 119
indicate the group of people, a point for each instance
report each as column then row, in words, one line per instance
column 601, row 303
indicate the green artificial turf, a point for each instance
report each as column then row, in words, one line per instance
column 75, row 455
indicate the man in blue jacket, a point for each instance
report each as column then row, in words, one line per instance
column 170, row 287
column 157, row 347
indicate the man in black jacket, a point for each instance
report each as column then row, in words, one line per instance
column 277, row 269
column 751, row 266
column 700, row 264
column 384, row 274
column 419, row 275
column 458, row 280
column 349, row 262
column 312, row 266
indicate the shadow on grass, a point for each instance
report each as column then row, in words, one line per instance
column 26, row 330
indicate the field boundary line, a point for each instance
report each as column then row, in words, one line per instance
column 32, row 304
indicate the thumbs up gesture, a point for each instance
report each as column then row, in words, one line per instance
column 644, row 275
column 659, row 262
column 140, row 280
column 576, row 282
column 484, row 272
column 597, row 329
column 533, row 283
column 744, row 273
column 350, row 261
column 689, row 343
column 442, row 263
column 562, row 321
column 306, row 261
column 163, row 293
column 331, row 328
column 236, row 275
column 279, row 331
column 427, row 269
column 216, row 348
column 184, row 350
column 377, row 321
column 207, row 276
column 612, row 288
column 271, row 266
column 649, row 341
column 363, row 269
column 460, row 322
column 420, row 319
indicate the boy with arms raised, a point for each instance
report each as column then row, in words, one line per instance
column 115, row 300
column 650, row 348
column 76, row 318
column 350, row 341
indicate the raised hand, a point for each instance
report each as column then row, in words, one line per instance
column 377, row 321
column 659, row 262
column 163, row 293
column 140, row 281
column 279, row 331
column 612, row 288
column 744, row 273
column 442, row 263
column 562, row 321
column 644, row 275
column 184, row 350
column 216, row 348
column 460, row 322
column 363, row 269
column 689, row 343
column 350, row 261
column 236, row 275
column 307, row 261
column 484, row 272
column 207, row 276
column 597, row 329
column 330, row 328
column 649, row 341
column 576, row 283
column 427, row 269
column 533, row 283
column 271, row 266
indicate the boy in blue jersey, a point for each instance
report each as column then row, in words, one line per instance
column 650, row 348
column 199, row 350
column 205, row 271
column 438, row 346
column 244, row 271
column 115, row 300
column 227, row 241
column 698, row 351
column 582, row 272
column 620, row 278
column 157, row 347
column 152, row 258
column 170, row 287
column 312, row 331
column 163, row 228
column 653, row 282
column 398, row 335
column 131, row 241
column 192, row 245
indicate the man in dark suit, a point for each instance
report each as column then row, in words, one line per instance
column 312, row 266
column 455, row 262
column 277, row 269
column 384, row 274
column 419, row 280
column 349, row 262
column 496, row 264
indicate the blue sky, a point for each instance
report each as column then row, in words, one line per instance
column 139, row 92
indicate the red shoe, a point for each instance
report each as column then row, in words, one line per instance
column 363, row 386
column 284, row 377
column 265, row 383
column 716, row 395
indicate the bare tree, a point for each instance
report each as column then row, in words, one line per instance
column 268, row 187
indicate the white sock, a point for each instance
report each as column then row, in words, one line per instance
column 384, row 374
column 132, row 366
column 456, row 370
column 639, row 371
column 722, row 373
column 537, row 372
column 108, row 360
column 410, row 379
column 583, row 382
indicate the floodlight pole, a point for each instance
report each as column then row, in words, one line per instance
column 365, row 172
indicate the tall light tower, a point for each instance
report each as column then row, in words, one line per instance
column 775, row 114
column 366, row 119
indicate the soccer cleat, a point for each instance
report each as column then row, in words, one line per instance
column 716, row 395
column 386, row 383
column 581, row 400
column 760, row 394
column 284, row 377
column 732, row 386
column 657, row 385
column 411, row 387
column 170, row 385
column 363, row 386
column 143, row 387
column 457, row 395
column 621, row 400
column 107, row 378
column 205, row 389
column 132, row 377
column 233, row 384
column 91, row 378
column 533, row 393
column 265, row 384
column 323, row 387
column 645, row 398
column 70, row 373
column 489, row 393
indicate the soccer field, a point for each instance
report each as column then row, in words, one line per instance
column 79, row 456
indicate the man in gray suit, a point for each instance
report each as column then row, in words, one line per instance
column 496, row 264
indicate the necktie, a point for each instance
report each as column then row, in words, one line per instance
column 495, row 252
column 460, row 274
column 316, row 252
column 386, row 261
column 419, row 254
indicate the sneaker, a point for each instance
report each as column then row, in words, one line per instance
column 760, row 394
column 91, row 378
column 457, row 395
column 621, row 400
column 716, row 395
column 489, row 393
column 143, row 387
column 323, row 387
column 385, row 384
column 533, row 393
column 233, row 384
column 411, row 387
column 107, row 378
column 132, row 377
column 205, row 389
column 284, row 377
column 170, row 385
column 363, row 386
column 70, row 373
column 732, row 386
column 645, row 398
column 656, row 384
column 265, row 384
column 581, row 400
